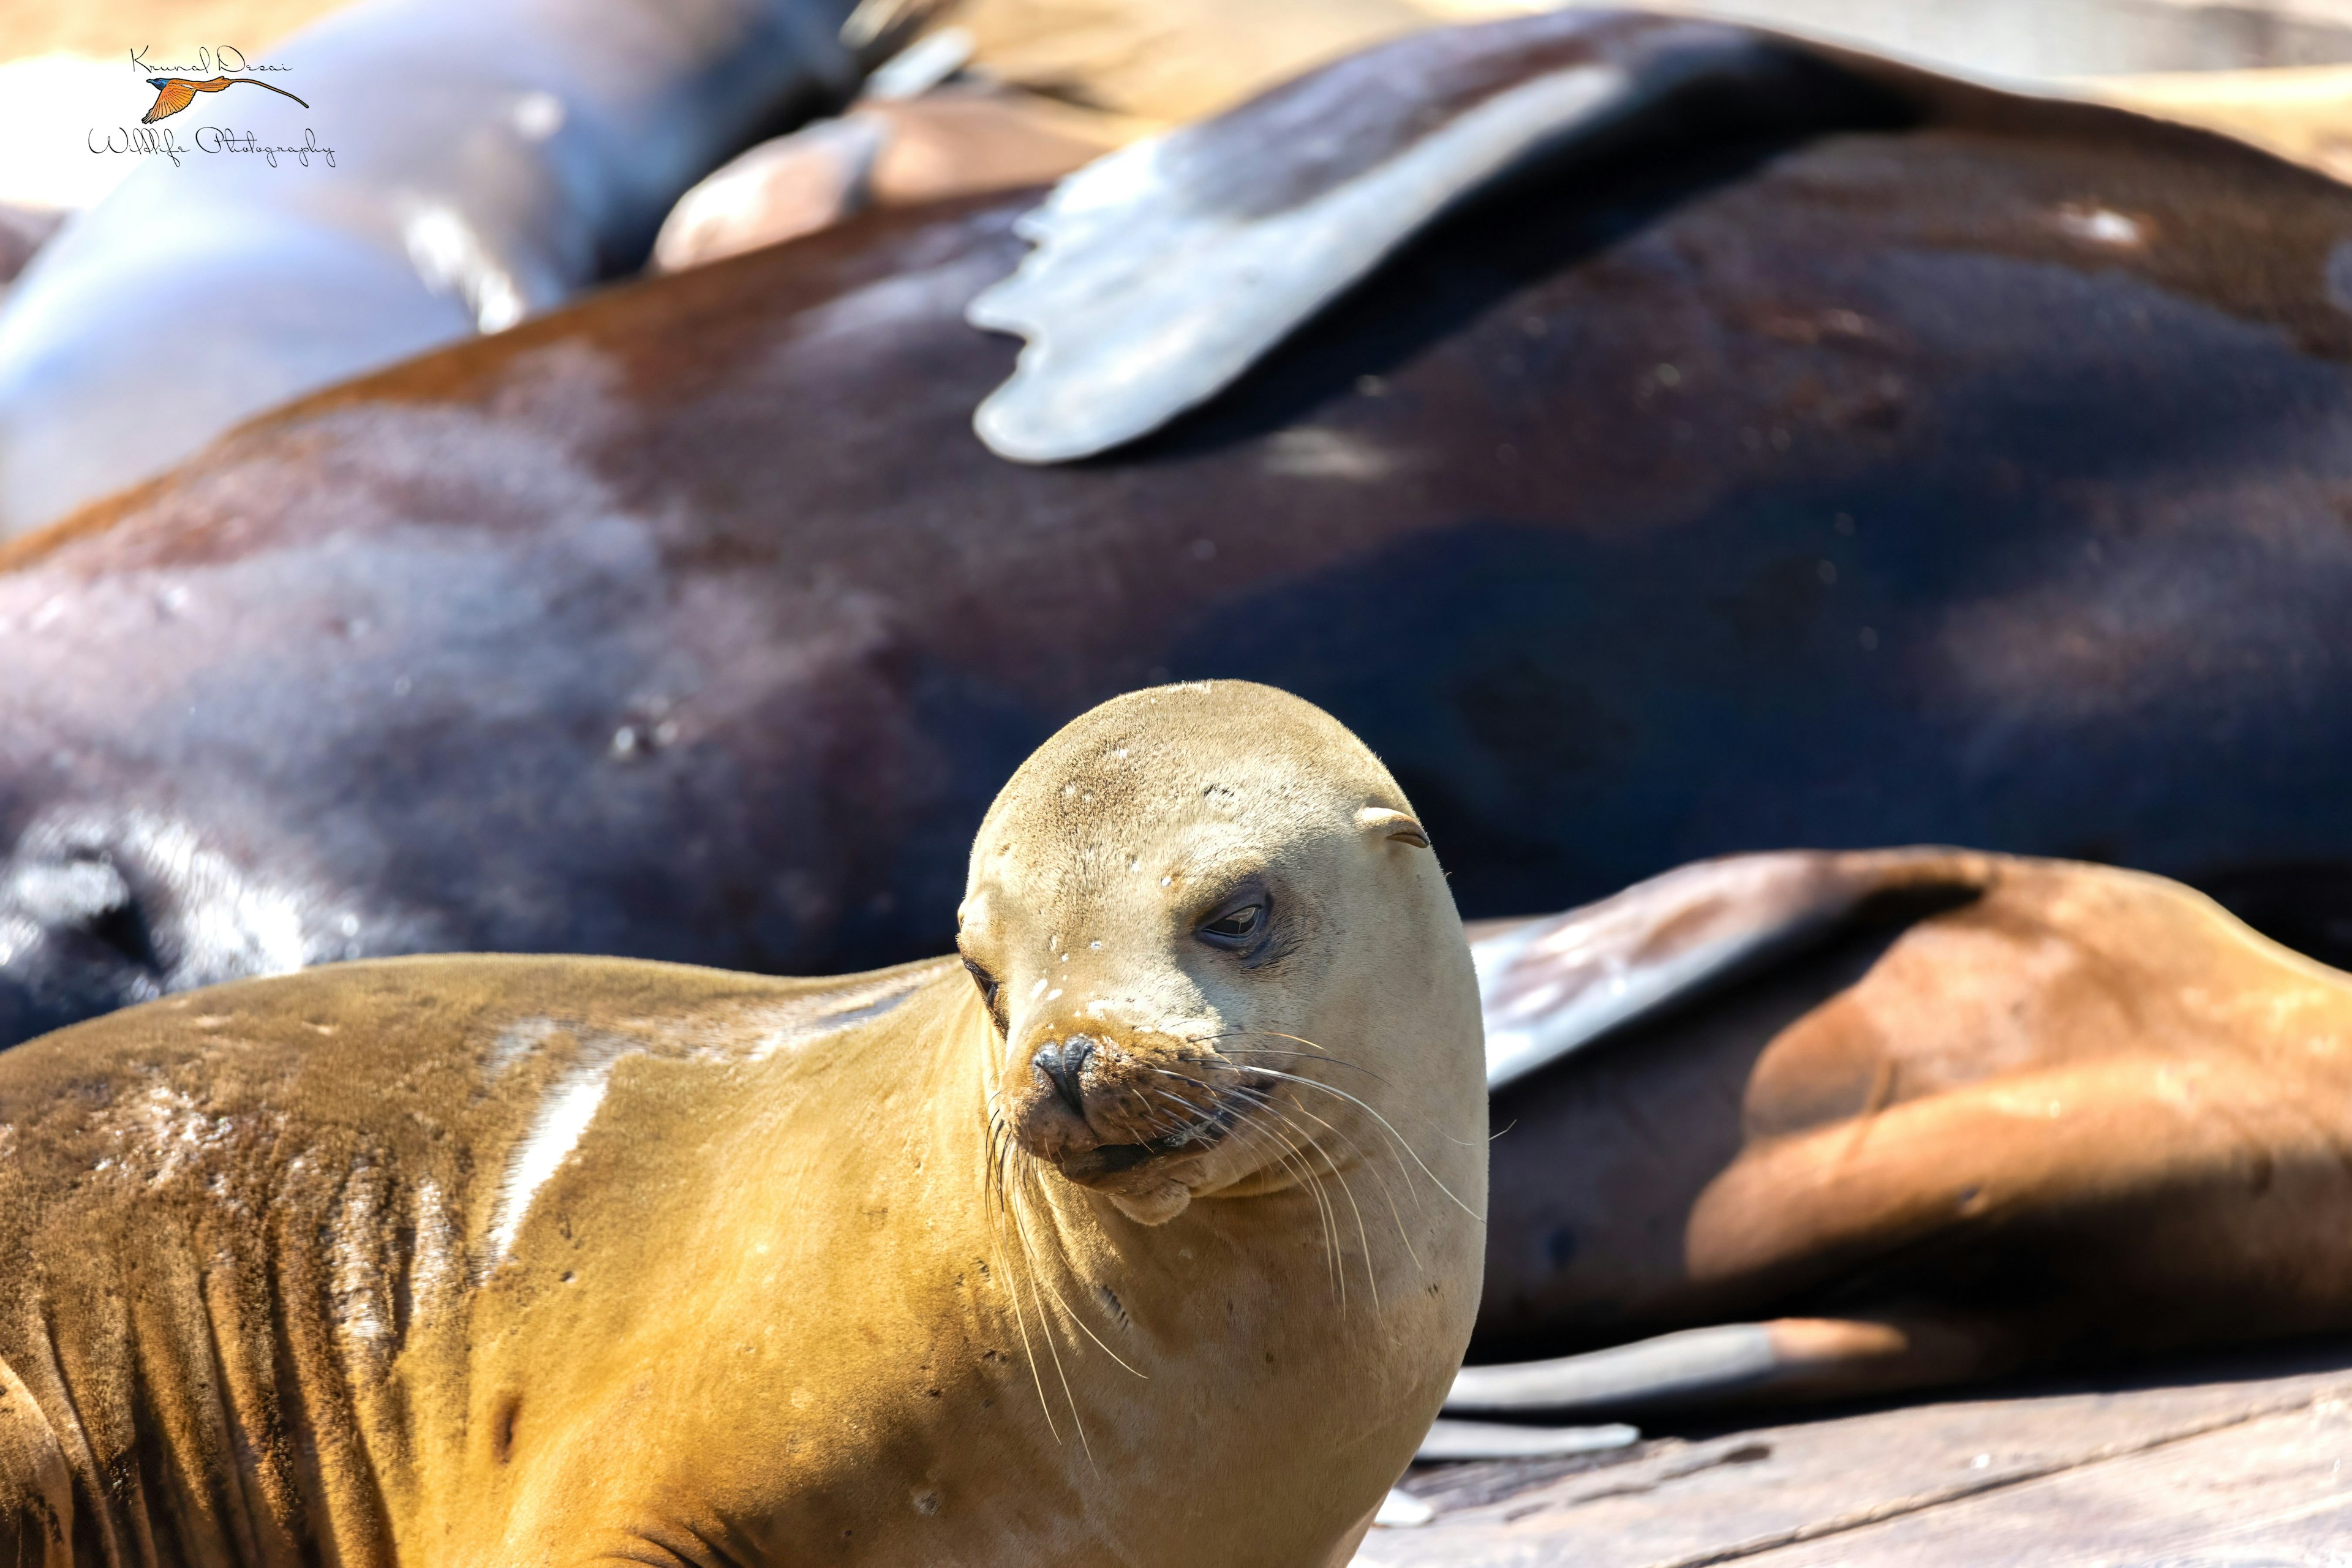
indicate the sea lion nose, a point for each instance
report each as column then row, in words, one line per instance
column 1060, row 1062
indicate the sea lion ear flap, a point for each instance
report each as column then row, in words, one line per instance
column 1399, row 827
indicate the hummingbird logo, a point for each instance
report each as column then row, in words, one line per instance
column 174, row 93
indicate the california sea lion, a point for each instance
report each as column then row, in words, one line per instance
column 1051, row 85
column 1810, row 465
column 1901, row 1119
column 457, row 165
column 1152, row 1239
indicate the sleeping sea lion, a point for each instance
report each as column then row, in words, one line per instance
column 454, row 166
column 1056, row 83
column 1043, row 88
column 1838, row 1124
column 1145, row 1234
column 1800, row 462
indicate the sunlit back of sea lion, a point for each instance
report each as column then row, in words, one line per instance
column 1159, row 1244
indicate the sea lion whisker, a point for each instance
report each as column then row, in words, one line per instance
column 1015, row 1166
column 1279, row 1035
column 1287, row 1157
column 1293, row 1161
column 1309, row 1056
column 1021, row 1230
column 1335, row 1061
column 1012, row 1286
column 1079, row 1322
column 1367, row 1163
column 1000, row 1205
column 1160, row 1126
column 1167, row 1124
column 1217, row 1107
column 1028, row 1352
column 1322, row 1052
column 1266, row 1099
column 1263, row 1098
column 1326, row 1211
column 1171, row 1123
column 1362, row 1234
column 1233, row 1126
column 999, row 1185
column 1002, row 1151
column 1384, row 1122
column 1334, row 1250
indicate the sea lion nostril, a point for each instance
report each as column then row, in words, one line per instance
column 1061, row 1061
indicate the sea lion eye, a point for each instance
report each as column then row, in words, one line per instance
column 1235, row 927
column 989, row 989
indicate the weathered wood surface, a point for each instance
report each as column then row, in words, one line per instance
column 2244, row 1466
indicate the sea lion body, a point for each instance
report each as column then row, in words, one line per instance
column 692, row 622
column 1049, row 87
column 2016, row 1114
column 454, row 166
column 475, row 1260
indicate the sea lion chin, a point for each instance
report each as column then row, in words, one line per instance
column 483, row 1260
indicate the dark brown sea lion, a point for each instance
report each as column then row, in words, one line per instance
column 1812, row 464
column 1987, row 1115
column 497, row 1260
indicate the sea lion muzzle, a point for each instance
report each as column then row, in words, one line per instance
column 1097, row 1105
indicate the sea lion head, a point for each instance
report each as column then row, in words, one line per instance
column 1217, row 952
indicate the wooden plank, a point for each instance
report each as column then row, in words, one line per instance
column 1759, row 1495
column 2271, row 1490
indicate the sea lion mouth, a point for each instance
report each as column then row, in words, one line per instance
column 1088, row 1166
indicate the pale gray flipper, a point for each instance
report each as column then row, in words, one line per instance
column 1164, row 270
column 1450, row 1439
column 1721, row 1358
column 1820, row 1355
column 1552, row 984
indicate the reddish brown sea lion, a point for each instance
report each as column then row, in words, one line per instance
column 489, row 1260
column 1811, row 464
column 1992, row 1114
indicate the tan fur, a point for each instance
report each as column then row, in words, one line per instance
column 268, row 1291
column 2093, row 1061
column 2079, row 1113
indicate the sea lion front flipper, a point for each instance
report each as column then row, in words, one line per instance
column 1550, row 986
column 1786, row 1358
column 1166, row 269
